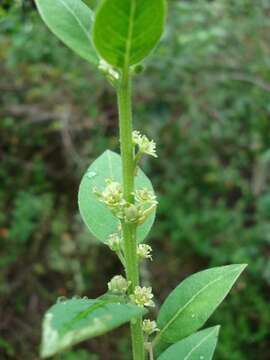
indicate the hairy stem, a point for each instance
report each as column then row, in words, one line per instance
column 129, row 231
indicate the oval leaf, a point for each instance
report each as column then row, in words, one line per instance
column 72, row 321
column 133, row 28
column 71, row 22
column 193, row 301
column 99, row 220
column 199, row 346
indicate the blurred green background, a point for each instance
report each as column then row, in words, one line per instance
column 205, row 98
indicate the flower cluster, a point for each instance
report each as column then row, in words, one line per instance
column 145, row 145
column 144, row 251
column 149, row 327
column 118, row 284
column 137, row 213
column 142, row 296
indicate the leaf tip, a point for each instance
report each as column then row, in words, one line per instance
column 216, row 329
column 242, row 267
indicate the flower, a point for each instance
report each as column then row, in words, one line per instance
column 145, row 145
column 144, row 195
column 118, row 284
column 144, row 251
column 112, row 196
column 142, row 296
column 149, row 327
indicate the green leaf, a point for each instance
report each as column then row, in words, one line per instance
column 95, row 214
column 199, row 346
column 71, row 22
column 193, row 301
column 133, row 28
column 72, row 321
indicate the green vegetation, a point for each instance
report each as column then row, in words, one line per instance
column 205, row 97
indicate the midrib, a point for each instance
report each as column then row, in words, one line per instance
column 190, row 301
column 198, row 345
column 76, row 18
column 130, row 32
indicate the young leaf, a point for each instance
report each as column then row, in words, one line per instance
column 97, row 217
column 71, row 22
column 193, row 301
column 133, row 28
column 70, row 322
column 199, row 346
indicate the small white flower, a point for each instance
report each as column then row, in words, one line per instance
column 149, row 327
column 145, row 196
column 144, row 251
column 112, row 196
column 118, row 284
column 142, row 296
column 145, row 145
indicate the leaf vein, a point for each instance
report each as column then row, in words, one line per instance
column 169, row 323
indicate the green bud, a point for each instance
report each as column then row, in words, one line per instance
column 138, row 69
column 131, row 214
column 114, row 242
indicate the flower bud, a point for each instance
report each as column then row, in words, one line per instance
column 118, row 284
column 114, row 242
column 131, row 214
column 108, row 70
column 138, row 69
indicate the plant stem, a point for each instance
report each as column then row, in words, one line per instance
column 151, row 353
column 124, row 95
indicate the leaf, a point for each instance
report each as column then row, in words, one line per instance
column 72, row 321
column 199, row 346
column 71, row 22
column 193, row 301
column 133, row 28
column 95, row 214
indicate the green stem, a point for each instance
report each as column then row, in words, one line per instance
column 129, row 231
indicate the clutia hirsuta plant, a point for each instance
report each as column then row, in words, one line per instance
column 118, row 204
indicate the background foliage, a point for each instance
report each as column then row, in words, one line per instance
column 205, row 98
